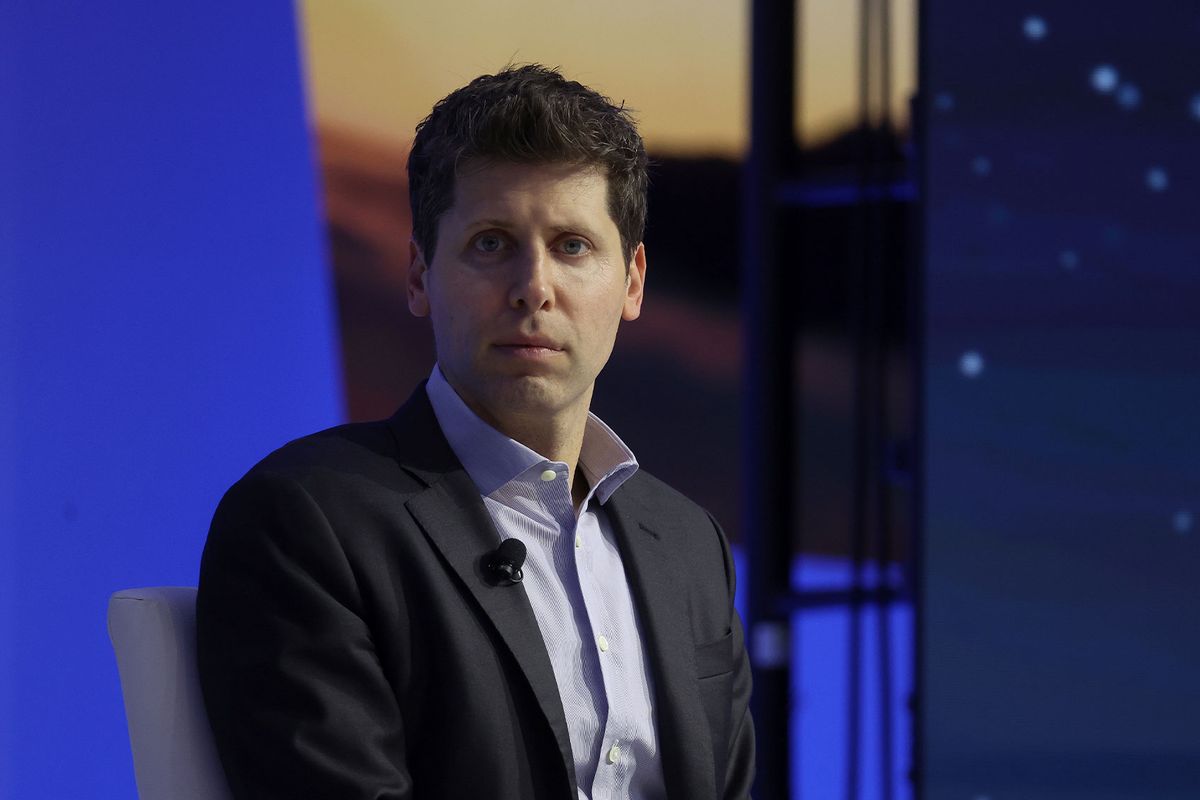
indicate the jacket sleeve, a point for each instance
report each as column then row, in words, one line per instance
column 739, row 775
column 739, row 772
column 298, row 703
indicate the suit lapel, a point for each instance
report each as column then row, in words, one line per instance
column 453, row 516
column 662, row 602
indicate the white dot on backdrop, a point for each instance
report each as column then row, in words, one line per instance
column 1195, row 104
column 971, row 364
column 943, row 101
column 1068, row 259
column 981, row 166
column 1157, row 179
column 1129, row 96
column 1182, row 521
column 1104, row 78
column 1035, row 28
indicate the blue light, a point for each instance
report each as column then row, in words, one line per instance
column 1068, row 259
column 1157, row 179
column 1182, row 521
column 1129, row 96
column 1035, row 28
column 944, row 101
column 981, row 166
column 971, row 364
column 1105, row 78
column 1195, row 104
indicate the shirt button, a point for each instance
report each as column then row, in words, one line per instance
column 603, row 644
column 578, row 540
column 614, row 753
column 549, row 475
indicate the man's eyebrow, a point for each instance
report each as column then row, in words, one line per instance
column 490, row 223
column 566, row 227
column 581, row 229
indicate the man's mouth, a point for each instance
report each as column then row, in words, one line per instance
column 530, row 343
column 533, row 348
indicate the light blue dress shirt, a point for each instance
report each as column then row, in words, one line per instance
column 577, row 587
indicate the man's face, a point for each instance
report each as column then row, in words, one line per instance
column 527, row 288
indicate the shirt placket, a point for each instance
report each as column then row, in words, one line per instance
column 612, row 766
column 557, row 497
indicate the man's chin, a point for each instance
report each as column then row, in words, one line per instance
column 532, row 396
column 529, row 393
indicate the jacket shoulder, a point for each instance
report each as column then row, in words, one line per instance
column 654, row 493
column 351, row 442
column 354, row 451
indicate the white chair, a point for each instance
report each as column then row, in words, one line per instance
column 153, row 633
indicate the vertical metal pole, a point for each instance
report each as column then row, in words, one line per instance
column 861, row 510
column 767, row 413
column 886, row 261
column 918, row 116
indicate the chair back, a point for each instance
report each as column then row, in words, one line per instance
column 153, row 633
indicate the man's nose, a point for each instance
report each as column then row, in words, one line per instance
column 532, row 284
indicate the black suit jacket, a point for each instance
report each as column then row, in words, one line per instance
column 351, row 646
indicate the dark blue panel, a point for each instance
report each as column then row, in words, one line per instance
column 1063, row 297
column 167, row 320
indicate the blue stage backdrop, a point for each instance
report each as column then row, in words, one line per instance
column 1060, row 646
column 165, row 319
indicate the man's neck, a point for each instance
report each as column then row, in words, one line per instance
column 556, row 436
column 559, row 438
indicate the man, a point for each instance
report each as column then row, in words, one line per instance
column 360, row 632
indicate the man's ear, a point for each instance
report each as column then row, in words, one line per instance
column 418, row 270
column 635, row 283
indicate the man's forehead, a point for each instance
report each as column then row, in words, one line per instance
column 565, row 194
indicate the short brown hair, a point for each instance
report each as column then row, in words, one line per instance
column 530, row 115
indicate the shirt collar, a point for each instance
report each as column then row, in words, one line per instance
column 493, row 460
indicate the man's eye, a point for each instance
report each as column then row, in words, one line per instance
column 489, row 243
column 575, row 247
